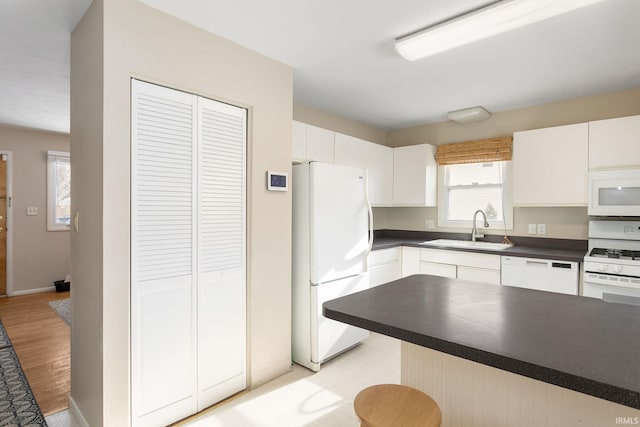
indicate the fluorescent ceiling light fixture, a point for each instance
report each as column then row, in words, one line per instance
column 498, row 17
column 473, row 114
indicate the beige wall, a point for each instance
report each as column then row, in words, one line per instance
column 142, row 42
column 578, row 110
column 323, row 119
column 87, row 367
column 38, row 256
column 561, row 222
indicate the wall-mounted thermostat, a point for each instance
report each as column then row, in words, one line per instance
column 277, row 181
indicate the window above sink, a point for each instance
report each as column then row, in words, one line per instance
column 465, row 188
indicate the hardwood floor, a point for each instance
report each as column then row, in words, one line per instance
column 42, row 341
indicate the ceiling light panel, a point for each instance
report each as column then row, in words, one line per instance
column 467, row 115
column 480, row 24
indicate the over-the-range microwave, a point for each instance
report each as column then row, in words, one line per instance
column 614, row 192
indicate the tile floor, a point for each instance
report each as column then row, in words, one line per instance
column 301, row 397
column 61, row 419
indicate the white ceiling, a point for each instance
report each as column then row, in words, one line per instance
column 34, row 61
column 343, row 56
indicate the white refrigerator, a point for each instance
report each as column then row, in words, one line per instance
column 332, row 236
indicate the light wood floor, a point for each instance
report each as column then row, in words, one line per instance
column 42, row 341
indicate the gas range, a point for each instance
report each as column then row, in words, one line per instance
column 612, row 265
column 621, row 254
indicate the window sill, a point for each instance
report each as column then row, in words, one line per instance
column 59, row 228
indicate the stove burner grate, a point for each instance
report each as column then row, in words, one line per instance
column 615, row 254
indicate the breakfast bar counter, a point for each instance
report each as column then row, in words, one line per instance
column 499, row 355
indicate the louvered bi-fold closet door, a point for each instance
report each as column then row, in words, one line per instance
column 221, row 251
column 188, row 253
column 163, row 222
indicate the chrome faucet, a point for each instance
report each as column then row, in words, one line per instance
column 474, row 232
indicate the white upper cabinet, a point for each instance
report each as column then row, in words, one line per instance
column 614, row 143
column 312, row 143
column 550, row 166
column 402, row 176
column 414, row 175
column 375, row 158
column 299, row 143
column 320, row 144
column 382, row 174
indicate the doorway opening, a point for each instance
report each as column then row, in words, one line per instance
column 5, row 223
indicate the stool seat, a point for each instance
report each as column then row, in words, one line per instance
column 394, row 405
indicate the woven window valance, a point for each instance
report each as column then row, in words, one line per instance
column 486, row 150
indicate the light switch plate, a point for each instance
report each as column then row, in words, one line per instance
column 542, row 228
column 533, row 229
column 32, row 211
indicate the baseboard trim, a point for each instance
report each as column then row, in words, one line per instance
column 32, row 291
column 77, row 414
column 270, row 373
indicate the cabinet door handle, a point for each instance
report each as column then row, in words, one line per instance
column 537, row 263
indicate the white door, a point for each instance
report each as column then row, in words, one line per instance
column 329, row 337
column 188, row 253
column 338, row 222
column 163, row 318
column 221, row 251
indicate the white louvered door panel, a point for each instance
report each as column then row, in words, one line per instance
column 163, row 219
column 221, row 251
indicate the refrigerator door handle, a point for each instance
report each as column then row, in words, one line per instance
column 370, row 210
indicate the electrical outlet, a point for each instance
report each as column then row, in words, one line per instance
column 532, row 229
column 430, row 223
column 31, row 211
column 542, row 228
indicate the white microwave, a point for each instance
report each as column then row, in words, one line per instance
column 614, row 192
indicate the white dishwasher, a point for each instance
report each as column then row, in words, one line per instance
column 541, row 274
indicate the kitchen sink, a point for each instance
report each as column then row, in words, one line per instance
column 467, row 244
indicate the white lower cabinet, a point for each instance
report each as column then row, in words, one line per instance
column 410, row 261
column 484, row 275
column 385, row 265
column 438, row 269
column 484, row 268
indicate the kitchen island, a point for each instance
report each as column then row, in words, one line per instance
column 503, row 356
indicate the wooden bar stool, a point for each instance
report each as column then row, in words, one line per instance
column 394, row 405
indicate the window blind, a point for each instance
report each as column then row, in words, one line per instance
column 63, row 156
column 482, row 151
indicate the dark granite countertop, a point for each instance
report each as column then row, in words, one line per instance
column 583, row 344
column 545, row 248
